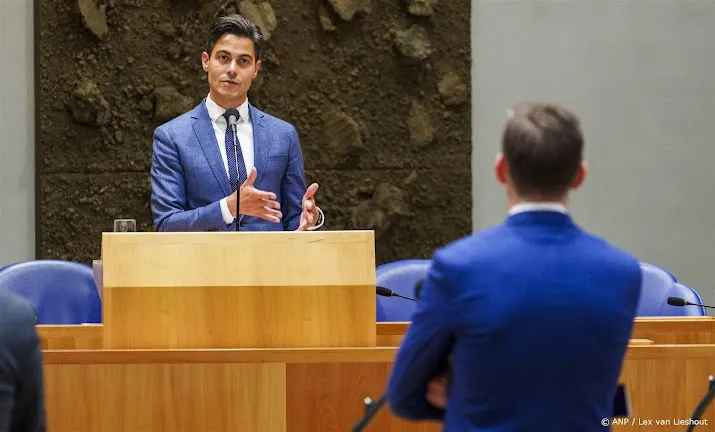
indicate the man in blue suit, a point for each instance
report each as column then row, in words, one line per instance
column 22, row 397
column 524, row 326
column 200, row 175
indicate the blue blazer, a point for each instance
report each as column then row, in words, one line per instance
column 22, row 397
column 188, row 178
column 530, row 321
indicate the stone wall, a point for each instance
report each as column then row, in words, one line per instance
column 378, row 90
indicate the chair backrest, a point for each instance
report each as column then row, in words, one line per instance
column 401, row 277
column 62, row 292
column 658, row 284
column 655, row 286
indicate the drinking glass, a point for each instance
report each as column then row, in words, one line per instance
column 125, row 225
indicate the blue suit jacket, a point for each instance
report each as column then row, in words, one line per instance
column 188, row 178
column 536, row 315
column 22, row 398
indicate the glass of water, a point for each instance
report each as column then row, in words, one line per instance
column 125, row 225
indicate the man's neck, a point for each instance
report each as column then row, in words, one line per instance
column 216, row 111
column 524, row 207
column 521, row 204
column 228, row 104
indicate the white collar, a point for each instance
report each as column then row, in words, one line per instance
column 538, row 206
column 216, row 111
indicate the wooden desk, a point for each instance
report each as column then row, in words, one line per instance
column 676, row 330
column 271, row 390
column 666, row 382
column 88, row 337
column 661, row 330
column 300, row 390
column 70, row 337
column 390, row 333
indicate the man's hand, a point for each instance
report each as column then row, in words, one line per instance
column 255, row 202
column 309, row 215
column 437, row 392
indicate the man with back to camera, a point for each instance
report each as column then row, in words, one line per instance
column 529, row 320
column 22, row 399
column 198, row 175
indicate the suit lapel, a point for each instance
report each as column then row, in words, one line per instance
column 207, row 138
column 261, row 143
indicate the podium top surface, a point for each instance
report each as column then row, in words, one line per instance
column 202, row 259
column 215, row 237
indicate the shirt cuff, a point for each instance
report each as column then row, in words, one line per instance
column 321, row 221
column 226, row 213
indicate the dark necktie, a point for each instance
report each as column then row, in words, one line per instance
column 236, row 175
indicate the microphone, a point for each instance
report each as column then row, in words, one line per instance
column 371, row 409
column 677, row 301
column 232, row 116
column 386, row 292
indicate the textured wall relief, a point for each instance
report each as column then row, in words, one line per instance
column 378, row 90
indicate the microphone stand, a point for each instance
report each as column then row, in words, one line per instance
column 703, row 405
column 371, row 409
column 232, row 116
column 238, row 186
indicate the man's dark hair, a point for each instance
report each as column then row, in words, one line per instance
column 236, row 25
column 543, row 147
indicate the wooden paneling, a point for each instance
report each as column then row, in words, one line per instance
column 661, row 330
column 165, row 397
column 293, row 355
column 329, row 397
column 70, row 337
column 391, row 333
column 240, row 317
column 665, row 383
column 286, row 258
column 305, row 389
column 676, row 330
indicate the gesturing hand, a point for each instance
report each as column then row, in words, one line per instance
column 255, row 202
column 309, row 215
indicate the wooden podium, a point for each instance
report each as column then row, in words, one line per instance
column 238, row 290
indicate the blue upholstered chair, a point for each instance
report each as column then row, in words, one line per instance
column 401, row 277
column 658, row 284
column 62, row 292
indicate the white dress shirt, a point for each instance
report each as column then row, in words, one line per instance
column 538, row 206
column 244, row 133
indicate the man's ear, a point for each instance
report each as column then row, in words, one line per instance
column 258, row 67
column 580, row 175
column 501, row 170
column 205, row 61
